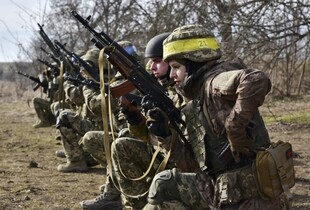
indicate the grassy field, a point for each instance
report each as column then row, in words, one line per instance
column 28, row 175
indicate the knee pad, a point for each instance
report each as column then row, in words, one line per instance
column 163, row 187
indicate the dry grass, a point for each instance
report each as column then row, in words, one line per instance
column 42, row 187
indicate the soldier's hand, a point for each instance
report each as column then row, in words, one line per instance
column 131, row 111
column 158, row 122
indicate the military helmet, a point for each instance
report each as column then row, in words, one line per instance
column 129, row 47
column 192, row 42
column 80, row 52
column 92, row 56
column 154, row 48
column 54, row 64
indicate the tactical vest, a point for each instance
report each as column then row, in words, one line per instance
column 207, row 145
column 200, row 135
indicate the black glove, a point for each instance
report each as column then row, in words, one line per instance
column 158, row 123
column 131, row 111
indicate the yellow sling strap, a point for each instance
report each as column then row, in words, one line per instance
column 104, row 113
column 145, row 174
column 61, row 95
column 107, row 149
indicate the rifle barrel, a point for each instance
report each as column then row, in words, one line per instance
column 130, row 68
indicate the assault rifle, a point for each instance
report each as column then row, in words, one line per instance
column 53, row 48
column 57, row 53
column 87, row 82
column 81, row 62
column 96, row 86
column 53, row 57
column 39, row 82
column 53, row 68
column 131, row 70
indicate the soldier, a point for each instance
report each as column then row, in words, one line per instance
column 41, row 105
column 74, row 124
column 131, row 155
column 224, row 128
column 160, row 69
column 92, row 143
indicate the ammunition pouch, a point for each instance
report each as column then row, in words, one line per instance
column 274, row 170
column 234, row 186
column 270, row 175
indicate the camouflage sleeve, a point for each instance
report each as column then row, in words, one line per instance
column 92, row 100
column 73, row 93
column 251, row 88
column 181, row 154
column 139, row 131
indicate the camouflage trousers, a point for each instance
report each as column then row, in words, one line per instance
column 131, row 159
column 56, row 107
column 43, row 110
column 72, row 127
column 172, row 189
column 93, row 143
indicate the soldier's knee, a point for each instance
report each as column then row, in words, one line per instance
column 64, row 119
column 118, row 143
column 92, row 139
column 163, row 187
column 36, row 102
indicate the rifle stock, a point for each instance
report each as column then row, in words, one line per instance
column 116, row 91
column 131, row 70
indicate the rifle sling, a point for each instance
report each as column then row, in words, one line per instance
column 61, row 95
column 119, row 90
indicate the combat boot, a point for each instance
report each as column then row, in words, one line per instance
column 41, row 124
column 58, row 135
column 102, row 188
column 91, row 162
column 60, row 153
column 79, row 166
column 106, row 201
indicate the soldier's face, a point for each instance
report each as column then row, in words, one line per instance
column 159, row 67
column 178, row 72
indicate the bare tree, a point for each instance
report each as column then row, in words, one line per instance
column 270, row 35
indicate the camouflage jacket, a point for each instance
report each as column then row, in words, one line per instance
column 92, row 108
column 73, row 94
column 141, row 131
column 227, row 96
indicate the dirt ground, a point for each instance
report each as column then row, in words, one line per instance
column 28, row 175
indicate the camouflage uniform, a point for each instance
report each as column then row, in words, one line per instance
column 42, row 106
column 93, row 143
column 44, row 113
column 131, row 154
column 93, row 140
column 225, row 97
column 131, row 157
column 74, row 124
